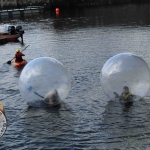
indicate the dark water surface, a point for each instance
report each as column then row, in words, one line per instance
column 83, row 40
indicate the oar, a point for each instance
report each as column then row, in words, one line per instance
column 38, row 95
column 9, row 62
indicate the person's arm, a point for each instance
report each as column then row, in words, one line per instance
column 116, row 94
column 14, row 57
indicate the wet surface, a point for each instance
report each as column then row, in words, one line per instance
column 82, row 41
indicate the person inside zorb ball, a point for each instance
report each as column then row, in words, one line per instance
column 51, row 98
column 125, row 77
column 44, row 82
column 126, row 96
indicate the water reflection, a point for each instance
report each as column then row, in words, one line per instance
column 83, row 40
column 2, row 145
column 47, row 123
column 17, row 71
column 126, row 122
column 99, row 16
column 105, row 16
column 57, row 22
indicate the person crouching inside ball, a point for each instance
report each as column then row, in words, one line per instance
column 126, row 96
column 52, row 98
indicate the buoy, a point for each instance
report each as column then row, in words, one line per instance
column 57, row 11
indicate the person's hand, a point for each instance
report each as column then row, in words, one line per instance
column 116, row 94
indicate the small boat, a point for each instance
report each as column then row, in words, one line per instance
column 9, row 37
column 20, row 64
column 9, row 33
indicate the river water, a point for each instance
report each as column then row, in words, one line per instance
column 83, row 40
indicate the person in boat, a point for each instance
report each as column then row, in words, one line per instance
column 126, row 96
column 18, row 56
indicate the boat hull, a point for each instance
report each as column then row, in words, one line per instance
column 10, row 37
column 20, row 64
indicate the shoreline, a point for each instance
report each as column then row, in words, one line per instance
column 50, row 4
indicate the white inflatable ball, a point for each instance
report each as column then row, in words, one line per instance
column 46, row 80
column 125, row 70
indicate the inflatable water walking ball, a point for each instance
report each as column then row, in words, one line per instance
column 46, row 79
column 125, row 69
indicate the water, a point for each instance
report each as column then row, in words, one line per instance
column 83, row 40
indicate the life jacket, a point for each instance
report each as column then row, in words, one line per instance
column 18, row 57
column 127, row 95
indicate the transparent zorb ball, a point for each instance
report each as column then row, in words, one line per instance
column 125, row 69
column 41, row 77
